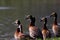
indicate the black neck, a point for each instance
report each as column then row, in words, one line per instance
column 32, row 23
column 55, row 20
column 44, row 27
column 45, row 22
column 20, row 29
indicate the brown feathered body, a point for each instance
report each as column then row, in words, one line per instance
column 45, row 32
column 19, row 35
column 34, row 31
column 55, row 27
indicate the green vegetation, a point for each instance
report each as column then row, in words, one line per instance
column 58, row 38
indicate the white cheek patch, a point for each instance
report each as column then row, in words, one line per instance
column 19, row 27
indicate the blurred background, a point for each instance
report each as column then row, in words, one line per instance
column 10, row 10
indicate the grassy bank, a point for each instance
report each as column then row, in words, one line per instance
column 58, row 38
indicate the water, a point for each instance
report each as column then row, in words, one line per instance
column 10, row 10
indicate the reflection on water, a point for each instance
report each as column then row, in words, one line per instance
column 4, row 8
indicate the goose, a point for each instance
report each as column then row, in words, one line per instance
column 19, row 35
column 34, row 31
column 55, row 27
column 45, row 32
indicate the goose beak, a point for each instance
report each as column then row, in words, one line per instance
column 16, row 21
column 53, row 14
column 27, row 17
column 41, row 19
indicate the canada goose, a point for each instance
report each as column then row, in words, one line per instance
column 19, row 35
column 34, row 31
column 55, row 27
column 46, row 33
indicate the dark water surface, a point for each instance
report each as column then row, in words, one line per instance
column 10, row 10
